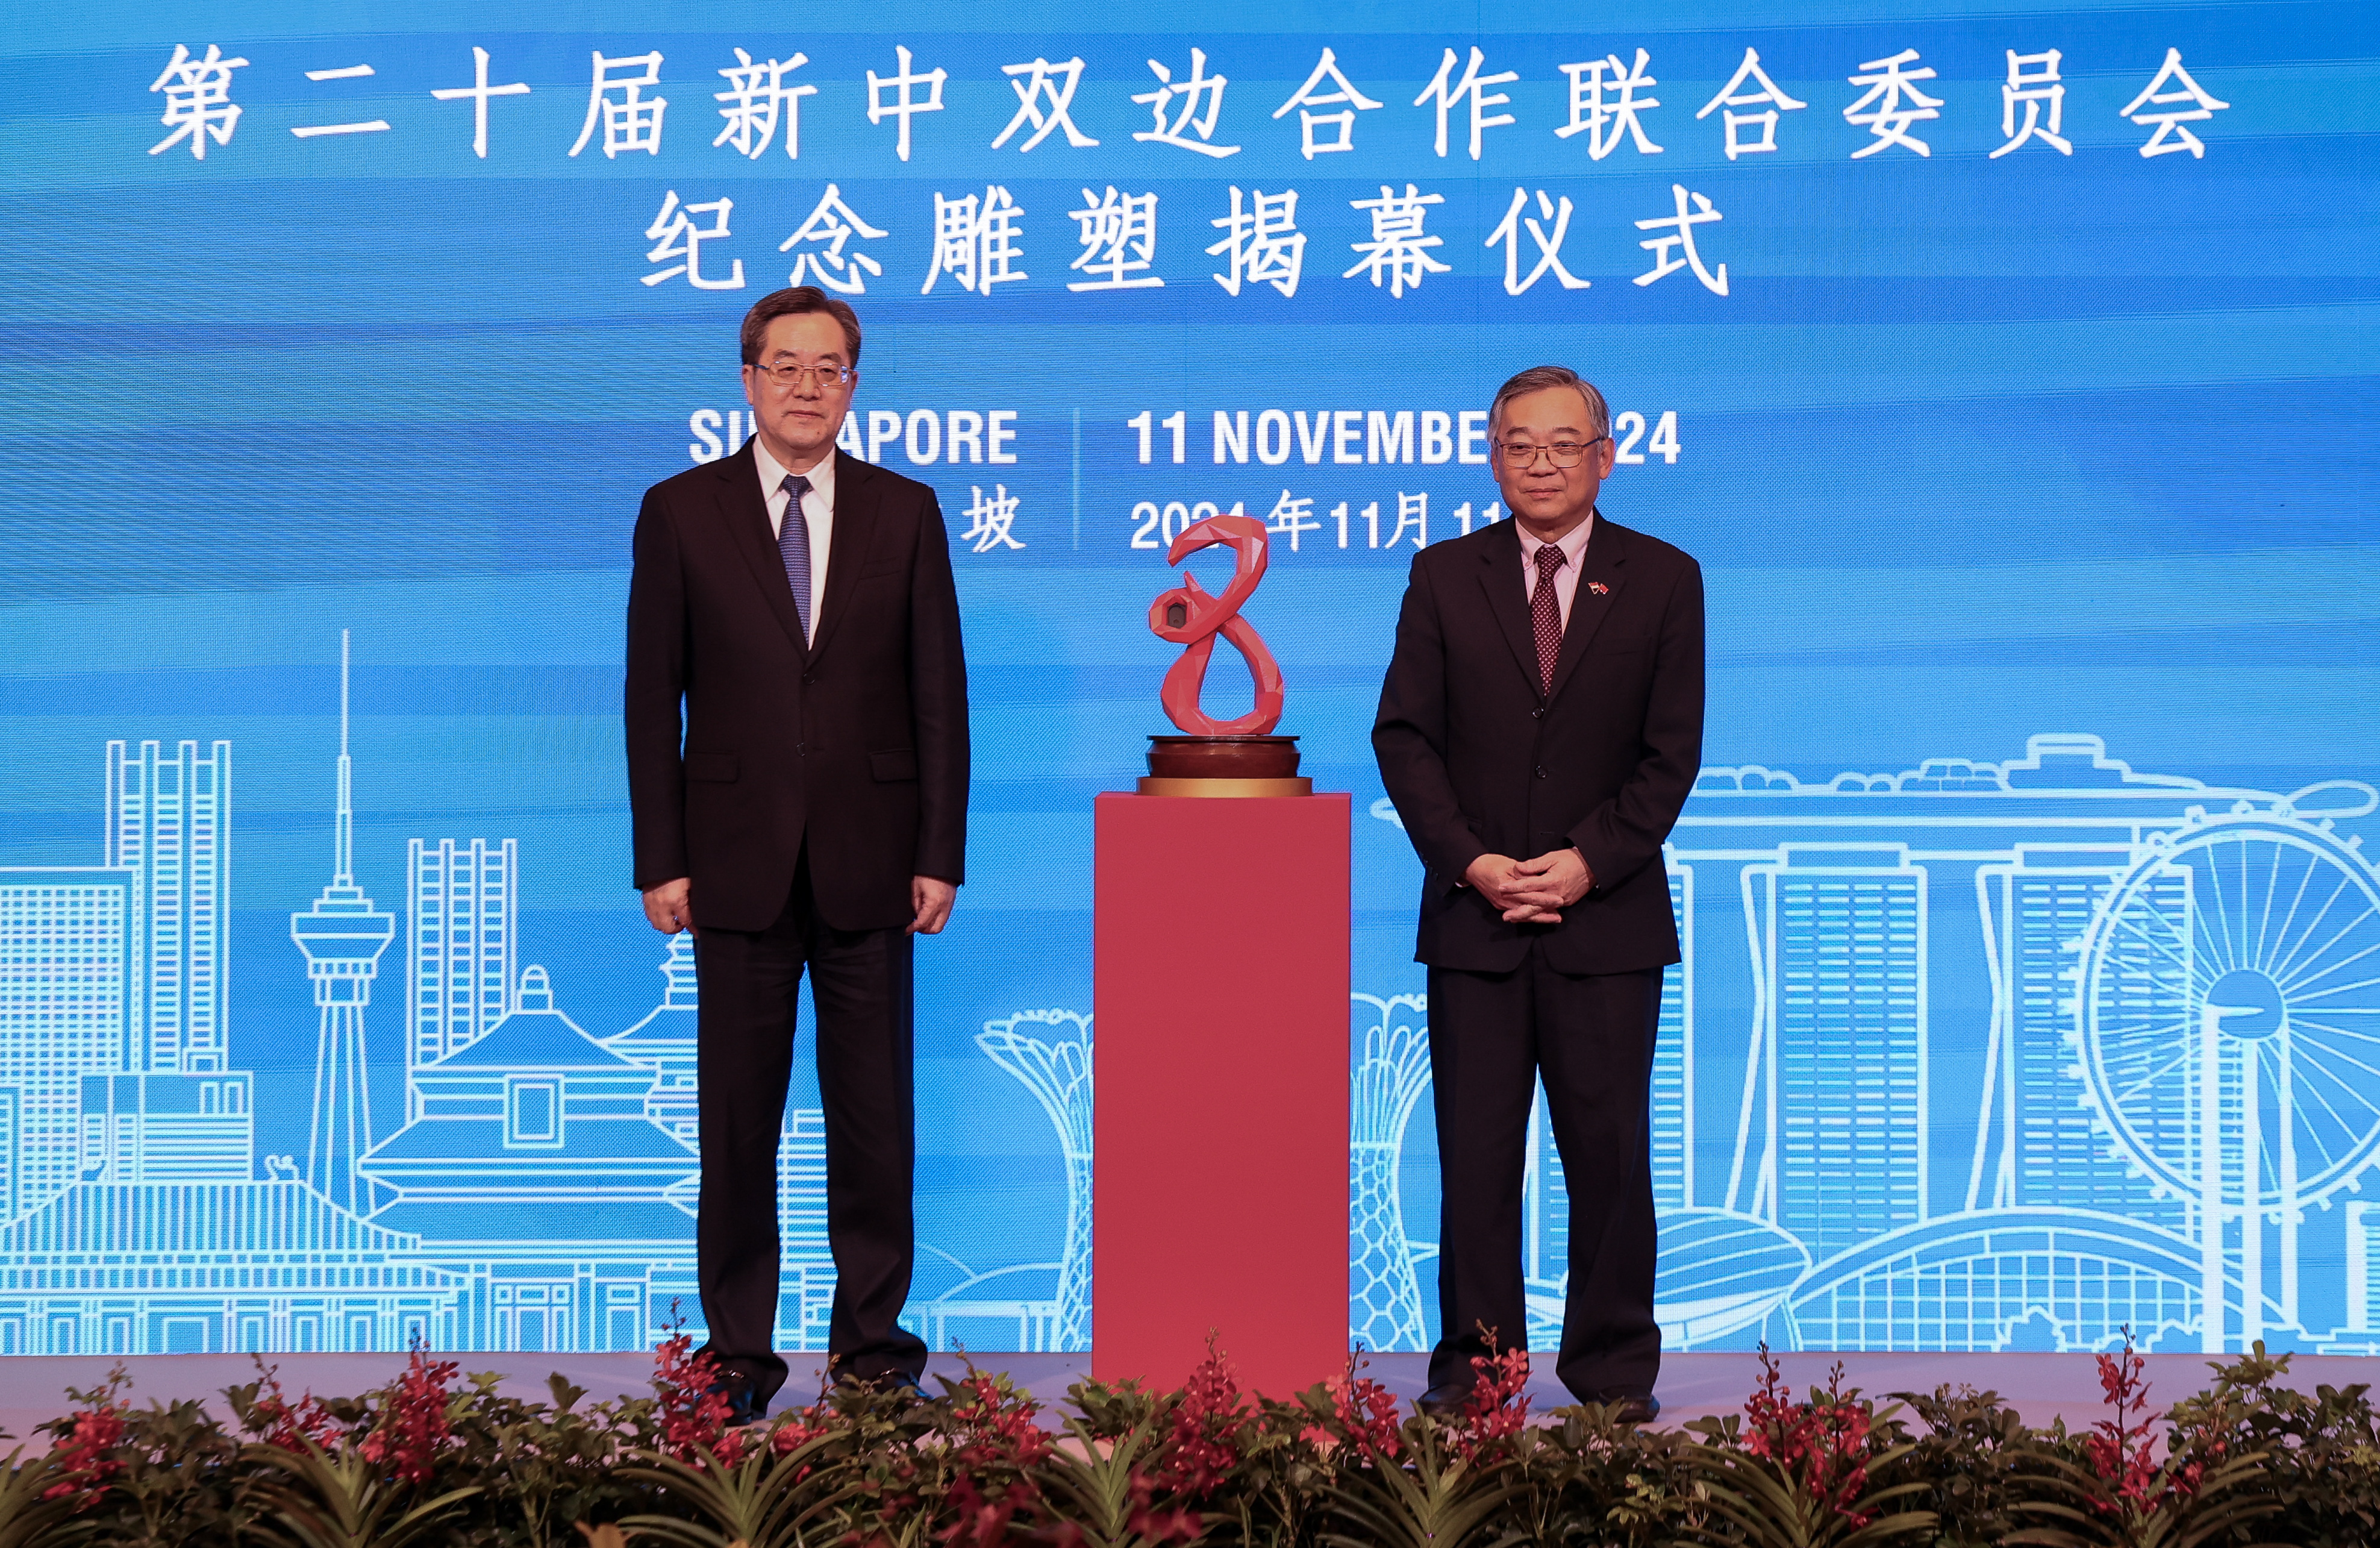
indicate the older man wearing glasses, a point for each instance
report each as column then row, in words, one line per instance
column 1538, row 731
column 798, row 777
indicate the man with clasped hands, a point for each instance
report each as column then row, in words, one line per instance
column 808, row 809
column 1538, row 731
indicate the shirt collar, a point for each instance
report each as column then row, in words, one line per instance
column 1571, row 543
column 772, row 474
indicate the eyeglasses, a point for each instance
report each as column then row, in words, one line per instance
column 1561, row 454
column 788, row 375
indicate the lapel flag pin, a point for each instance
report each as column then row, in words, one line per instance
column 1598, row 587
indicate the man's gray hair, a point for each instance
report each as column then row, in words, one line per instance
column 1539, row 377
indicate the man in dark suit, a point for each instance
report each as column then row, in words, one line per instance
column 1540, row 730
column 808, row 809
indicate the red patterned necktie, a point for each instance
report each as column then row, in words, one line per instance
column 1545, row 614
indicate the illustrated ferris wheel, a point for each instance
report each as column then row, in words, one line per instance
column 2230, row 1018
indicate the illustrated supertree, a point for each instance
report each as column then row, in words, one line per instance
column 1057, row 1070
column 2228, row 1022
column 1391, row 1071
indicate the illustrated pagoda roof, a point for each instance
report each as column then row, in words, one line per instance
column 534, row 1036
column 644, row 1222
column 194, row 1218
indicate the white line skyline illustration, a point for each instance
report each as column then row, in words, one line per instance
column 538, row 1194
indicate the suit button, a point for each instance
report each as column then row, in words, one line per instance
column 809, row 676
column 1538, row 713
column 1541, row 774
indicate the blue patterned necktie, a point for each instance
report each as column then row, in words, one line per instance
column 793, row 544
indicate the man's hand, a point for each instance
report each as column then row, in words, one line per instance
column 932, row 898
column 1534, row 891
column 670, row 907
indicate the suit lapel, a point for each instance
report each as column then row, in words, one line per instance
column 1501, row 575
column 745, row 512
column 1598, row 587
column 854, row 533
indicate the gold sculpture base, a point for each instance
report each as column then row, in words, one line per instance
column 1153, row 785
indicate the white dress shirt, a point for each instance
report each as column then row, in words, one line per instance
column 818, row 510
column 1574, row 547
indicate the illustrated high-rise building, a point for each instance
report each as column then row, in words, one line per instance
column 169, row 824
column 168, row 1128
column 2043, row 1145
column 805, row 1258
column 2363, row 1276
column 343, row 936
column 1843, row 965
column 460, row 903
column 68, row 1009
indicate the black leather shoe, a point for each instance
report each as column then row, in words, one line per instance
column 743, row 1406
column 1445, row 1401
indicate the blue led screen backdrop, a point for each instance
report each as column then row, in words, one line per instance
column 2009, row 370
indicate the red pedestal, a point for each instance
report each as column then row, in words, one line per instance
column 1220, row 954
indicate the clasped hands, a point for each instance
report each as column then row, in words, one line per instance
column 670, row 907
column 1534, row 891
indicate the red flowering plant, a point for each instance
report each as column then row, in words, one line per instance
column 2122, row 1448
column 413, row 1419
column 691, row 1411
column 1823, row 1442
column 86, row 1456
column 788, row 1483
column 1424, row 1481
column 1357, row 1416
column 1805, row 1470
column 800, row 1428
column 1131, row 1471
column 1205, row 1435
column 991, row 1442
column 1498, row 1409
column 153, row 1474
column 264, row 1412
column 1147, row 1480
column 1210, row 1457
column 2201, row 1492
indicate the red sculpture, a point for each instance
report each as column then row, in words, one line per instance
column 1189, row 615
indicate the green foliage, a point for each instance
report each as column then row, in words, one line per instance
column 321, row 1499
column 1978, row 1461
column 760, row 1500
column 1103, row 1488
column 2321, row 1455
column 2248, row 1460
column 1427, row 1498
column 25, row 1517
column 1610, row 1485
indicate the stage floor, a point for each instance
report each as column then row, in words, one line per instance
column 2040, row 1386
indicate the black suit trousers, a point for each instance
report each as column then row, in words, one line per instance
column 860, row 981
column 1590, row 1037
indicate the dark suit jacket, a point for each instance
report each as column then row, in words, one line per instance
column 857, row 743
column 1478, row 763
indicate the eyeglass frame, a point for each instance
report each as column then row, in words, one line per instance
column 788, row 375
column 1548, row 451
